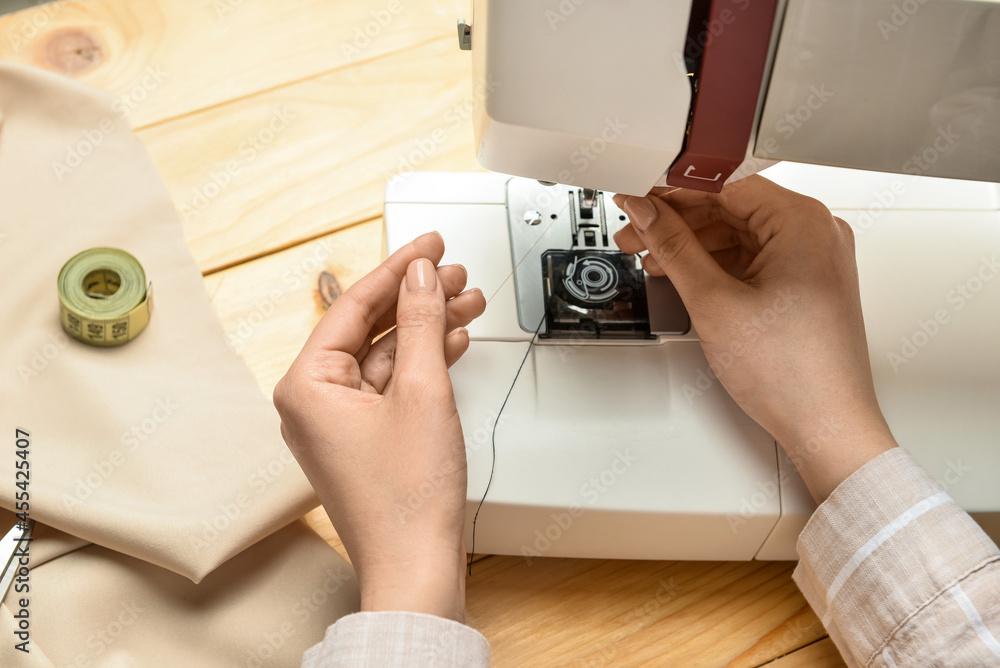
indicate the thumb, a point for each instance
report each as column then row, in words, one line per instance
column 421, row 318
column 674, row 246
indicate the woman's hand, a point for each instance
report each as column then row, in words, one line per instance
column 375, row 428
column 770, row 280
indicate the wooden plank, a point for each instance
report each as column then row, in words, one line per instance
column 291, row 164
column 820, row 654
column 261, row 173
column 268, row 307
column 621, row 613
column 799, row 630
column 319, row 522
column 209, row 52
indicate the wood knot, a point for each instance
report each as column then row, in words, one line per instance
column 72, row 51
column 329, row 288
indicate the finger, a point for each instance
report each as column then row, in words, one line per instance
column 735, row 261
column 701, row 209
column 455, row 345
column 741, row 199
column 674, row 247
column 713, row 236
column 706, row 212
column 628, row 240
column 421, row 318
column 378, row 364
column 651, row 267
column 733, row 249
column 746, row 204
column 660, row 191
column 347, row 323
column 452, row 276
column 719, row 236
column 465, row 308
column 619, row 200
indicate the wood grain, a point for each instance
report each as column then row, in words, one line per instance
column 799, row 630
column 210, row 52
column 269, row 306
column 264, row 167
column 261, row 173
column 318, row 520
column 629, row 613
column 821, row 654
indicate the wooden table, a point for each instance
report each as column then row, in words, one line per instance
column 276, row 125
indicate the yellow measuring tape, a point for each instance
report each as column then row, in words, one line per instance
column 104, row 299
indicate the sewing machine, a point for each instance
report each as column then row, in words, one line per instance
column 616, row 440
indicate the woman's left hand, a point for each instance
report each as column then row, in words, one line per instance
column 375, row 428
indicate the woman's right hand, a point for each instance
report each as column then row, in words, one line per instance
column 770, row 280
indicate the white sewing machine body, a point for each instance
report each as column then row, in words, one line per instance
column 624, row 96
column 617, row 440
column 629, row 448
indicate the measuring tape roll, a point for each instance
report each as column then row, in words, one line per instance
column 104, row 299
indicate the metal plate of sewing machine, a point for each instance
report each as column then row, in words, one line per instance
column 542, row 219
column 631, row 448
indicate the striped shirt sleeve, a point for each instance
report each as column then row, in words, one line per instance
column 899, row 574
column 398, row 640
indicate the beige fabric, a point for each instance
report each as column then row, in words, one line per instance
column 90, row 606
column 163, row 449
column 399, row 640
column 899, row 573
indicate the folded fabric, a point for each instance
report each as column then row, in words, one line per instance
column 90, row 606
column 151, row 464
column 163, row 449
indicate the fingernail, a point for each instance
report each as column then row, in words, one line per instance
column 640, row 211
column 420, row 276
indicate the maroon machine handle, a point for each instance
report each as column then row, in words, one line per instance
column 737, row 36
